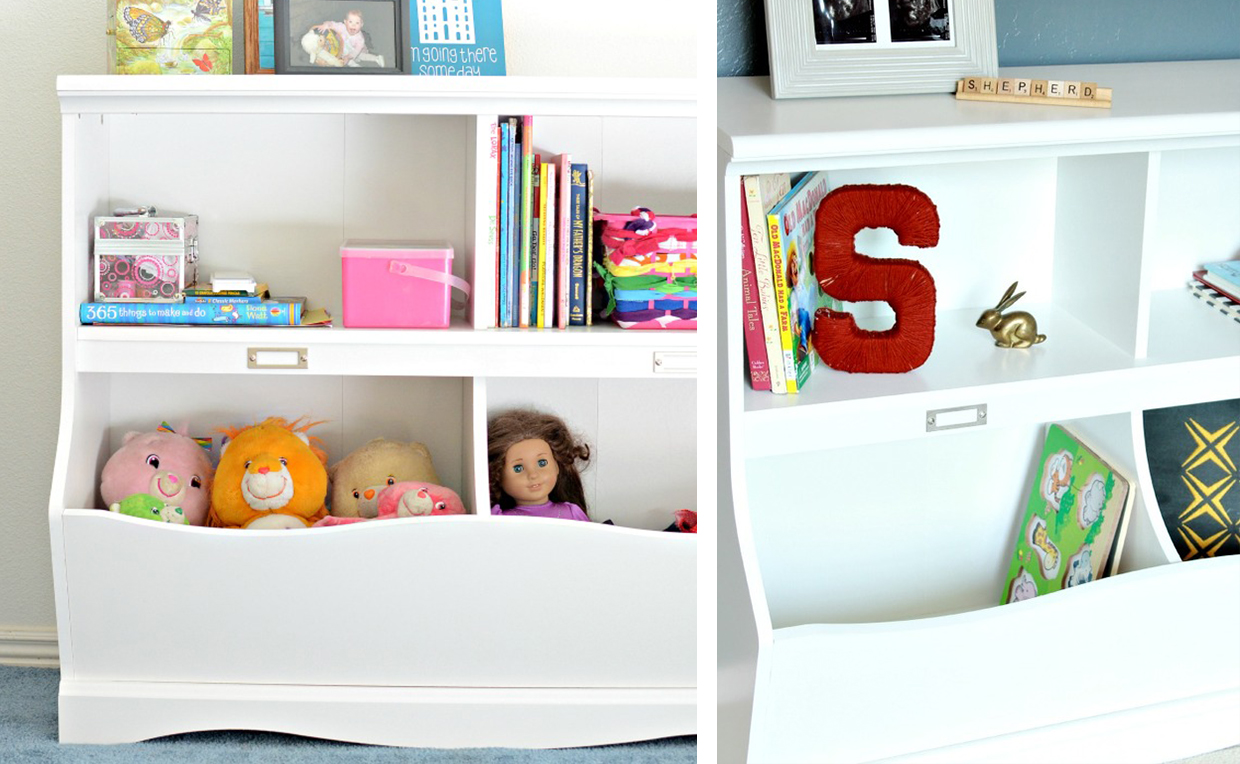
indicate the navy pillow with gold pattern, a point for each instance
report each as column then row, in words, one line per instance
column 1193, row 453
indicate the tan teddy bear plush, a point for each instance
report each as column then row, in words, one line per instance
column 358, row 478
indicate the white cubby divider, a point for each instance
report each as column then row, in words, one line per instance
column 447, row 631
column 862, row 554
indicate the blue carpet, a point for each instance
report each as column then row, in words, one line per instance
column 28, row 734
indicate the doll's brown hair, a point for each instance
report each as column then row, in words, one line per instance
column 508, row 428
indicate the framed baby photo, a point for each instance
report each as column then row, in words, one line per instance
column 341, row 37
column 878, row 47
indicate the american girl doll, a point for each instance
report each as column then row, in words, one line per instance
column 534, row 461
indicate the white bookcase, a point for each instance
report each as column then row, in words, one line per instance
column 862, row 556
column 455, row 631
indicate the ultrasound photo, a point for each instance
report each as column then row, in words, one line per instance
column 919, row 20
column 843, row 21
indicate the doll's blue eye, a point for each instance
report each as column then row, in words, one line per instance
column 542, row 462
column 518, row 468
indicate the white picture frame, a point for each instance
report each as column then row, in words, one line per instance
column 884, row 57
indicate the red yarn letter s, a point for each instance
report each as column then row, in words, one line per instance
column 847, row 275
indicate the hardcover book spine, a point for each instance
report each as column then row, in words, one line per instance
column 505, row 318
column 578, row 279
column 527, row 201
column 514, row 219
column 240, row 314
column 764, row 278
column 550, row 295
column 564, row 207
column 493, row 244
column 536, row 243
column 589, row 226
column 540, row 235
column 755, row 341
column 781, row 303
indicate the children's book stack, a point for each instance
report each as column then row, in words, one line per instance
column 648, row 268
column 543, row 211
column 1218, row 285
column 227, row 300
column 778, row 284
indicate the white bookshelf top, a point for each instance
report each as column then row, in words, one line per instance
column 1177, row 103
column 376, row 94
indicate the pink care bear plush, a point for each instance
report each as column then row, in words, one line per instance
column 172, row 468
column 407, row 499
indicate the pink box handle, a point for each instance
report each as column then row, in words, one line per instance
column 401, row 268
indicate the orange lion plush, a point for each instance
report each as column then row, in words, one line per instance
column 269, row 476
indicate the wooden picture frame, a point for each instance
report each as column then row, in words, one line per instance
column 259, row 36
column 878, row 47
column 341, row 37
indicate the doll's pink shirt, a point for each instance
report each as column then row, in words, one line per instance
column 554, row 509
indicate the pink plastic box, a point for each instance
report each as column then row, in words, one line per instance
column 398, row 284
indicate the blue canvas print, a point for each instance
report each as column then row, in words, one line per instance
column 456, row 37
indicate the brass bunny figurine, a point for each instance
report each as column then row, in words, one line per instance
column 1017, row 329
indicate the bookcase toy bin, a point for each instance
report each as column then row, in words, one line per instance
column 395, row 284
column 458, row 631
column 648, row 265
column 867, row 522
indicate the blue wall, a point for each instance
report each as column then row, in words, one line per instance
column 1032, row 32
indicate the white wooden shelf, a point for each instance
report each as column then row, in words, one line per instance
column 585, row 352
column 325, row 94
column 473, row 631
column 862, row 553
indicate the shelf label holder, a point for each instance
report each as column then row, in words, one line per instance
column 277, row 358
column 955, row 418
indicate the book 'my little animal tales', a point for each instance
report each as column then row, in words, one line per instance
column 1074, row 522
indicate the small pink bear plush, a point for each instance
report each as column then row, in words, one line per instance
column 173, row 468
column 407, row 499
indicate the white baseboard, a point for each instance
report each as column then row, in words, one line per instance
column 29, row 647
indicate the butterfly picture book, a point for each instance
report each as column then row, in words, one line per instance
column 1072, row 528
column 190, row 37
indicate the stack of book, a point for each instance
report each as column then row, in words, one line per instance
column 228, row 300
column 543, row 241
column 778, row 285
column 1218, row 285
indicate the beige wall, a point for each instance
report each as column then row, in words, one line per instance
column 631, row 44
column 30, row 288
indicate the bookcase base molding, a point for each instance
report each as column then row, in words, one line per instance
column 124, row 712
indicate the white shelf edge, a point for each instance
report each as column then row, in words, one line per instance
column 324, row 94
column 900, row 417
column 588, row 352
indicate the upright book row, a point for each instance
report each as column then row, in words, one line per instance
column 543, row 233
column 778, row 284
